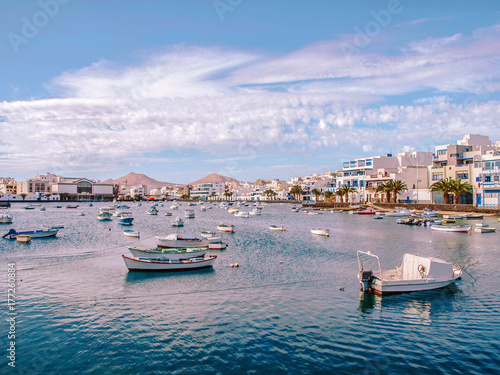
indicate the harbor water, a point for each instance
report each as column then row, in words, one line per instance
column 293, row 306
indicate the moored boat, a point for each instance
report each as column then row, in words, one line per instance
column 165, row 264
column 131, row 233
column 153, row 211
column 171, row 253
column 321, row 232
column 242, row 214
column 225, row 227
column 177, row 222
column 6, row 218
column 207, row 234
column 41, row 233
column 452, row 228
column 174, row 241
column 277, row 228
column 484, row 229
column 217, row 245
column 416, row 273
column 104, row 216
column 125, row 218
column 189, row 214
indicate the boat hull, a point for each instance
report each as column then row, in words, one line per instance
column 183, row 243
column 392, row 287
column 137, row 264
column 458, row 229
column 131, row 233
column 33, row 234
column 171, row 254
column 320, row 232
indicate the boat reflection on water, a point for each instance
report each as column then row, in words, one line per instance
column 417, row 307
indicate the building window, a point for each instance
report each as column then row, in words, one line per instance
column 441, row 152
column 487, row 178
column 84, row 187
column 437, row 177
column 463, row 176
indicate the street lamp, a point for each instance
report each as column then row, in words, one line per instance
column 417, row 188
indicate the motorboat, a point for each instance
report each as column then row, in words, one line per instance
column 177, row 222
column 173, row 240
column 452, row 228
column 219, row 245
column 125, row 218
column 453, row 217
column 104, row 216
column 399, row 212
column 167, row 264
column 378, row 217
column 430, row 213
column 72, row 206
column 41, row 233
column 470, row 216
column 174, row 206
column 131, row 233
column 42, row 208
column 153, row 211
column 232, row 210
column 484, row 228
column 171, row 253
column 225, row 227
column 416, row 273
column 189, row 214
column 242, row 214
column 123, row 207
column 207, row 234
column 29, row 207
column 277, row 228
column 168, row 213
column 256, row 211
column 6, row 218
column 321, row 232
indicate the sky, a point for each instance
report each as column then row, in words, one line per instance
column 247, row 89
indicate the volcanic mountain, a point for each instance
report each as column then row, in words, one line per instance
column 136, row 179
column 214, row 179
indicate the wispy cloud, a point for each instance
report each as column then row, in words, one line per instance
column 240, row 104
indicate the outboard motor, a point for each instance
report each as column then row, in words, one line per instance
column 365, row 278
column 12, row 233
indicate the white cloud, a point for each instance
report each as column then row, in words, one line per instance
column 240, row 104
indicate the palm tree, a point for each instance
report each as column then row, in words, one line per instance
column 316, row 193
column 328, row 194
column 213, row 195
column 458, row 188
column 274, row 194
column 340, row 193
column 296, row 191
column 397, row 187
column 442, row 186
column 386, row 188
column 268, row 192
column 348, row 190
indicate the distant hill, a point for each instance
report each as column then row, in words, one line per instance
column 135, row 179
column 213, row 179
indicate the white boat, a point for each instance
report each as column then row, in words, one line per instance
column 168, row 213
column 454, row 228
column 131, row 233
column 123, row 207
column 224, row 227
column 125, row 218
column 29, row 207
column 153, row 211
column 399, row 212
column 177, row 222
column 416, row 273
column 6, row 218
column 232, row 210
column 173, row 240
column 295, row 209
column 430, row 213
column 321, row 232
column 483, row 228
column 175, row 206
column 41, row 233
column 277, row 228
column 189, row 214
column 203, row 209
column 171, row 253
column 255, row 211
column 470, row 216
column 242, row 214
column 453, row 217
column 207, row 234
column 104, row 215
column 165, row 264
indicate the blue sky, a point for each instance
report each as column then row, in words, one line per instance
column 248, row 89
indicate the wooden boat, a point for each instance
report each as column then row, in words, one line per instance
column 448, row 221
column 416, row 273
column 321, row 232
column 174, row 241
column 217, row 245
column 484, row 229
column 6, row 218
column 41, row 233
column 224, row 227
column 131, row 233
column 24, row 238
column 171, row 253
column 456, row 228
column 277, row 228
column 177, row 222
column 165, row 264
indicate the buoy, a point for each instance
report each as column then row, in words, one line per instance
column 232, row 265
column 342, row 289
column 281, row 261
column 236, row 265
column 109, row 228
column 327, row 235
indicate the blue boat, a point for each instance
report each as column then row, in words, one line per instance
column 12, row 234
column 125, row 218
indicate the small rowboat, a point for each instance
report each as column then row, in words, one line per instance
column 484, row 229
column 217, row 245
column 224, row 227
column 168, row 213
column 171, row 253
column 12, row 234
column 24, row 238
column 131, row 233
column 165, row 264
column 378, row 217
column 277, row 228
column 321, row 232
column 457, row 228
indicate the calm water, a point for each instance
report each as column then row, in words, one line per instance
column 292, row 307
